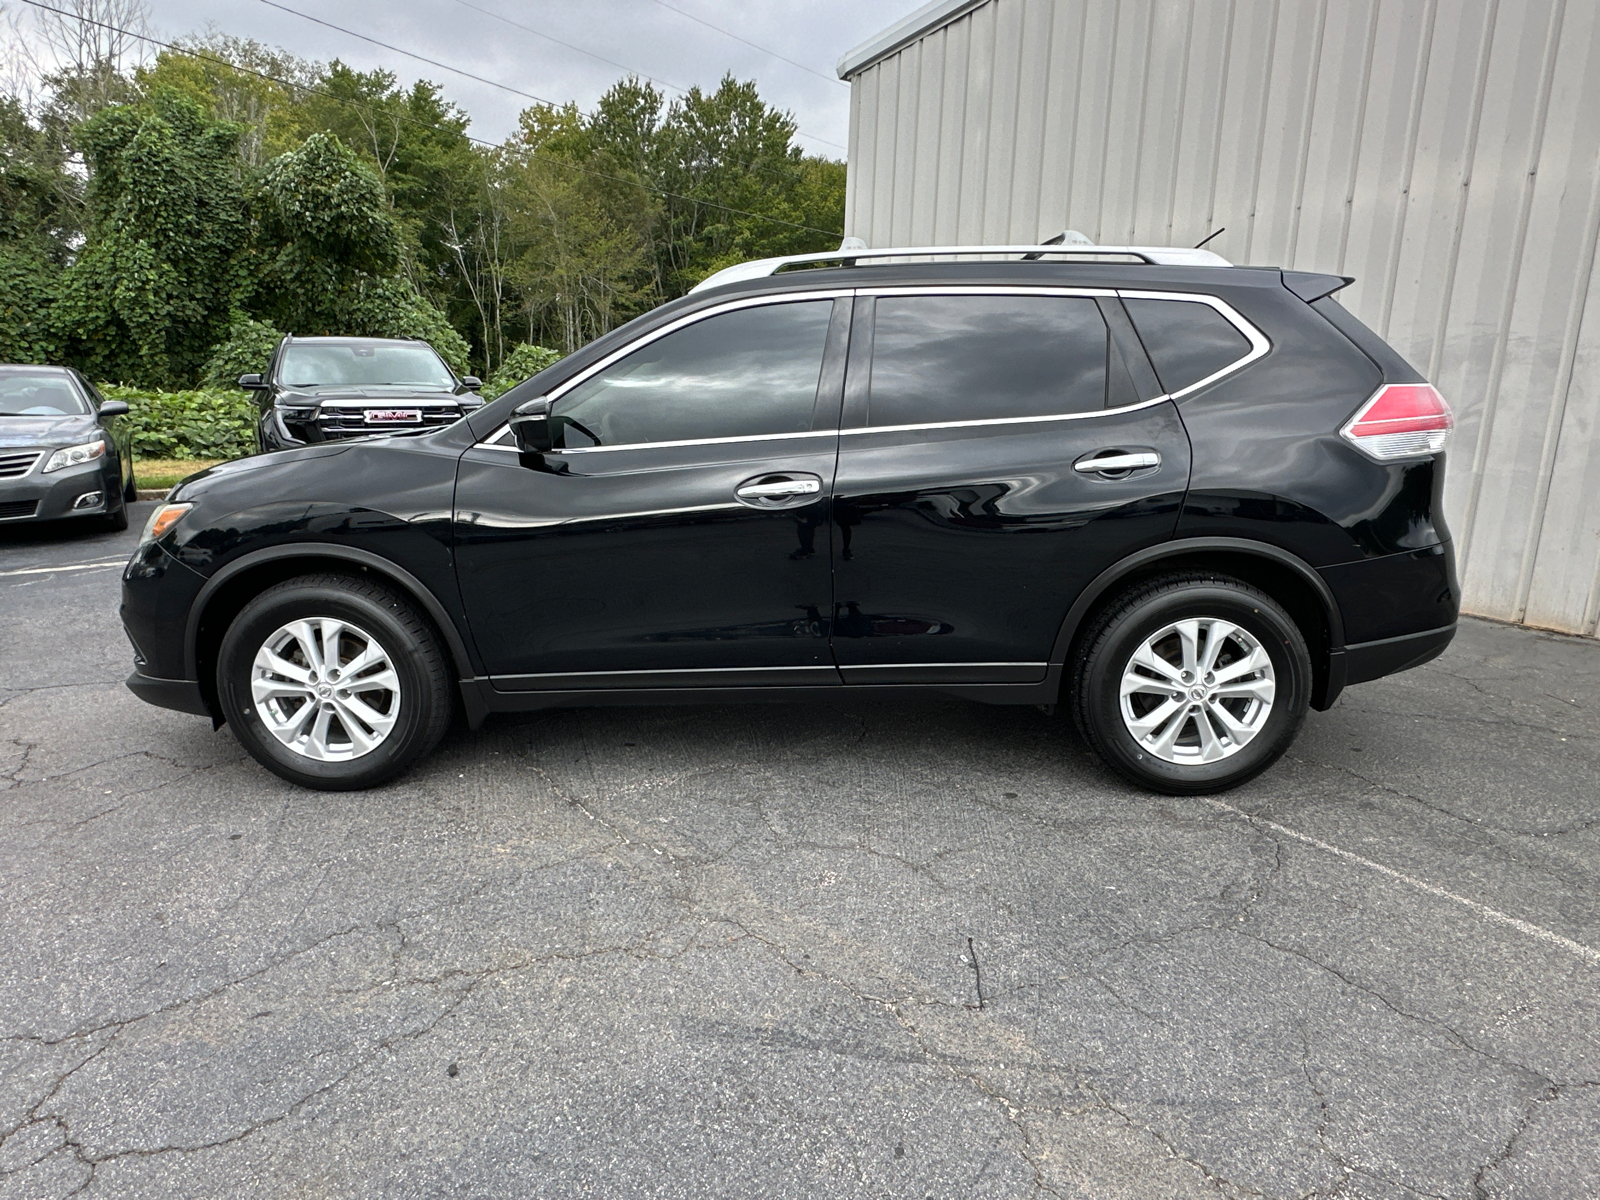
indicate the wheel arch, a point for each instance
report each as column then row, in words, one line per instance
column 1286, row 577
column 230, row 589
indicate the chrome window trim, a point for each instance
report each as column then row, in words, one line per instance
column 654, row 335
column 1260, row 345
column 504, row 432
column 1079, row 416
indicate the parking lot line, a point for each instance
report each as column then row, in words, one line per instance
column 88, row 566
column 1588, row 953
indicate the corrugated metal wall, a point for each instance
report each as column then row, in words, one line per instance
column 1444, row 152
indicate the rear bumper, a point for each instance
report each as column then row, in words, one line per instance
column 1387, row 656
column 182, row 695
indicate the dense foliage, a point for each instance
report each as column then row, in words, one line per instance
column 524, row 362
column 160, row 226
column 208, row 423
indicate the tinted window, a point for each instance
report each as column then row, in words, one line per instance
column 324, row 365
column 1186, row 341
column 964, row 358
column 740, row 374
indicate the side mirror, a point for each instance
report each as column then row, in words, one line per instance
column 250, row 382
column 113, row 408
column 471, row 382
column 530, row 426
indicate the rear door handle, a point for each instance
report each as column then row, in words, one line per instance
column 1138, row 460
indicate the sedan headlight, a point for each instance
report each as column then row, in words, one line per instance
column 163, row 519
column 72, row 456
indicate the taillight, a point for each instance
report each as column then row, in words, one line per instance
column 1403, row 420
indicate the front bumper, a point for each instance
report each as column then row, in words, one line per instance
column 40, row 497
column 180, row 694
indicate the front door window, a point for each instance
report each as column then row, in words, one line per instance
column 748, row 373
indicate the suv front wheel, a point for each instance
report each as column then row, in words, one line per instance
column 333, row 682
column 1191, row 683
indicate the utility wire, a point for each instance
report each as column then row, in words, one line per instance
column 752, row 45
column 672, row 87
column 488, row 145
column 433, row 62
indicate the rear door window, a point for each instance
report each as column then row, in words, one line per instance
column 937, row 359
column 1187, row 341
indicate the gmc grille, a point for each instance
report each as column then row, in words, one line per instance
column 348, row 422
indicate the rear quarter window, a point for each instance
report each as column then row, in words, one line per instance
column 1187, row 341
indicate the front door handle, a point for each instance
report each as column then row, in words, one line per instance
column 778, row 490
column 1119, row 463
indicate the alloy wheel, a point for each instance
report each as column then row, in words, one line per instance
column 1197, row 691
column 326, row 689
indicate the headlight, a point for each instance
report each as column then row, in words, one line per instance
column 163, row 519
column 72, row 456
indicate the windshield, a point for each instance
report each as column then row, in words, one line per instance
column 39, row 394
column 326, row 365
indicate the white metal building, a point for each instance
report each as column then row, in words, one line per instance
column 1444, row 152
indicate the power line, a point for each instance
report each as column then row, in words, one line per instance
column 410, row 120
column 622, row 67
column 432, row 62
column 752, row 45
column 671, row 87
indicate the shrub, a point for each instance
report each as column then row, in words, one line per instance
column 247, row 348
column 524, row 362
column 206, row 423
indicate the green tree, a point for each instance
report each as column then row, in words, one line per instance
column 225, row 75
column 161, row 270
column 328, row 253
column 40, row 211
column 416, row 143
column 582, row 222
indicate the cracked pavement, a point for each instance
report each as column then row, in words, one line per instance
column 738, row 952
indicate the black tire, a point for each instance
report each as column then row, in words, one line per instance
column 130, row 492
column 426, row 688
column 1094, row 690
column 118, row 521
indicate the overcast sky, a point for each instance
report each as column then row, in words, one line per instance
column 643, row 36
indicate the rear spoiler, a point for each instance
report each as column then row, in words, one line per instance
column 1312, row 287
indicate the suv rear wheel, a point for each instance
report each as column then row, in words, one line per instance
column 333, row 682
column 1191, row 683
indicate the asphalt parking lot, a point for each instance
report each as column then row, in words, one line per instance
column 920, row 951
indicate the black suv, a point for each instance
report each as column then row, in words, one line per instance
column 317, row 389
column 1185, row 501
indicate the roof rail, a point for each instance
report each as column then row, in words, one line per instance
column 852, row 251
